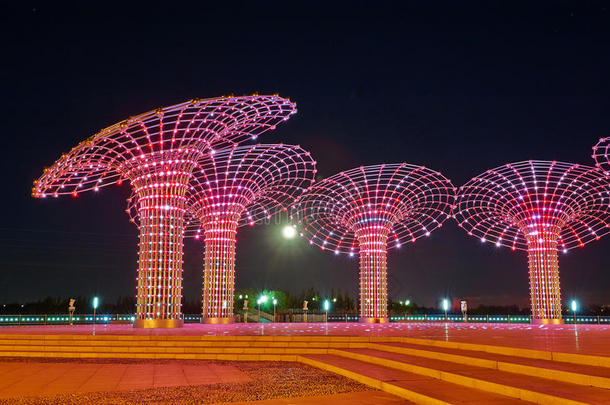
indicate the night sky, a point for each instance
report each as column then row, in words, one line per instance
column 458, row 89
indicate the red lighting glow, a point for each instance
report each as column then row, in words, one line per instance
column 157, row 152
column 235, row 187
column 541, row 207
column 369, row 209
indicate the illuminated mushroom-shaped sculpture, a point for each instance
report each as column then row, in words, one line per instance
column 158, row 152
column 366, row 210
column 601, row 154
column 540, row 207
column 233, row 187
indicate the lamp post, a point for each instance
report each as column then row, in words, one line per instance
column 274, row 304
column 574, row 307
column 246, row 310
column 445, row 307
column 326, row 307
column 260, row 301
column 96, row 302
column 244, row 299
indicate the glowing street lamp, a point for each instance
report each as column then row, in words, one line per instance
column 406, row 304
column 260, row 301
column 574, row 307
column 274, row 304
column 445, row 307
column 326, row 308
column 289, row 232
column 95, row 303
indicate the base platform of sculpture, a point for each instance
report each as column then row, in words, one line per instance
column 217, row 321
column 547, row 321
column 374, row 320
column 158, row 323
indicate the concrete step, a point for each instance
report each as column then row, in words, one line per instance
column 413, row 387
column 550, row 369
column 179, row 343
column 576, row 358
column 136, row 355
column 5, row 350
column 100, row 336
column 517, row 386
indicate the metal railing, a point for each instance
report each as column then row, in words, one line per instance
column 77, row 319
column 461, row 318
column 80, row 319
column 592, row 319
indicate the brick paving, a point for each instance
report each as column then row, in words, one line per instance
column 52, row 378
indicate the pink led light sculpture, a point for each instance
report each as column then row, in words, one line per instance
column 601, row 154
column 157, row 152
column 541, row 207
column 231, row 188
column 369, row 209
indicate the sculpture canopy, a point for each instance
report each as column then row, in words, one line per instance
column 190, row 128
column 410, row 200
column 260, row 180
column 503, row 205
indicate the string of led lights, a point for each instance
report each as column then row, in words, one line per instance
column 235, row 187
column 540, row 207
column 601, row 154
column 158, row 152
column 369, row 209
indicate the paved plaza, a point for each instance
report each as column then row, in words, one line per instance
column 108, row 381
column 584, row 339
column 308, row 363
column 51, row 378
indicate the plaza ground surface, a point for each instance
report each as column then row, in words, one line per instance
column 306, row 363
column 111, row 382
column 583, row 339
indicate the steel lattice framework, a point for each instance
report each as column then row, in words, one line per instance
column 158, row 152
column 369, row 209
column 541, row 207
column 601, row 154
column 231, row 188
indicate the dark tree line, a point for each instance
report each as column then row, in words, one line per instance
column 340, row 302
column 55, row 305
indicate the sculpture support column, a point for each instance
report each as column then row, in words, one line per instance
column 219, row 270
column 372, row 241
column 545, row 291
column 161, row 205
